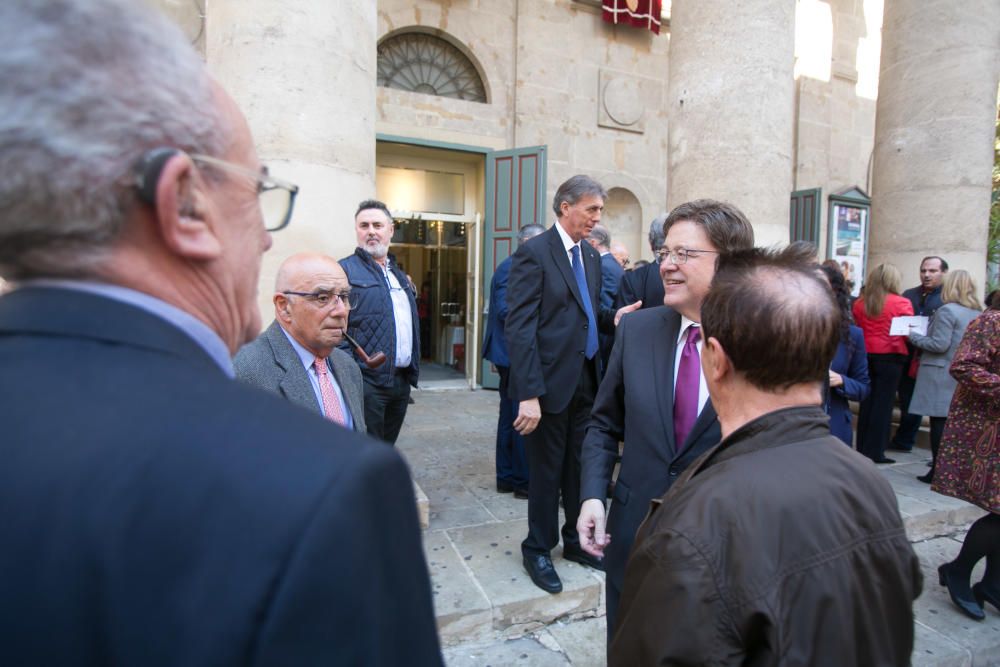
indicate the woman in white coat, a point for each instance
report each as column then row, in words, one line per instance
column 935, row 386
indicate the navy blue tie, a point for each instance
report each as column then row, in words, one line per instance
column 581, row 282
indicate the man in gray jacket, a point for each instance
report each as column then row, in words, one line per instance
column 297, row 356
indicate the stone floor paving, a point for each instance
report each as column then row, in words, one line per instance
column 489, row 612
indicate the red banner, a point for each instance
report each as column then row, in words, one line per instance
column 638, row 13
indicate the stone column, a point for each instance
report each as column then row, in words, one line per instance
column 303, row 72
column 936, row 109
column 730, row 104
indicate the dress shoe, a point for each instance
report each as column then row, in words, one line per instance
column 521, row 492
column 542, row 573
column 983, row 593
column 578, row 555
column 504, row 487
column 962, row 600
column 926, row 479
column 885, row 460
column 900, row 448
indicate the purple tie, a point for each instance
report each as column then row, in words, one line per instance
column 687, row 387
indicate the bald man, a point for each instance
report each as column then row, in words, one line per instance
column 297, row 356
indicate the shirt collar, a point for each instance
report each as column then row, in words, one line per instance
column 200, row 332
column 305, row 356
column 685, row 323
column 566, row 240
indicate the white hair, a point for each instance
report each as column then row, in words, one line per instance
column 89, row 87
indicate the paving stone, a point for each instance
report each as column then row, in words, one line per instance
column 524, row 651
column 493, row 553
column 463, row 612
column 457, row 517
column 423, row 506
column 932, row 649
column 583, row 641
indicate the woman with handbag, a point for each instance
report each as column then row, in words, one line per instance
column 968, row 463
column 935, row 386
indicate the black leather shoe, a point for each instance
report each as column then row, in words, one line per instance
column 885, row 460
column 900, row 448
column 926, row 479
column 542, row 573
column 962, row 600
column 578, row 555
column 521, row 492
column 983, row 593
column 504, row 487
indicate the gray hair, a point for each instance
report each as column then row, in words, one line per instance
column 89, row 87
column 600, row 235
column 529, row 232
column 574, row 189
column 656, row 233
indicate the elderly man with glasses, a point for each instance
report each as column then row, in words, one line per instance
column 297, row 356
column 156, row 511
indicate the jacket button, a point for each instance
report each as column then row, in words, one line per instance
column 673, row 473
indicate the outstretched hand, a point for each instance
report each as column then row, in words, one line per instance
column 624, row 310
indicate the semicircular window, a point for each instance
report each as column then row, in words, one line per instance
column 427, row 64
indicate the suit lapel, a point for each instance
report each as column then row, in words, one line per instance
column 701, row 424
column 663, row 361
column 592, row 269
column 561, row 260
column 295, row 385
column 350, row 395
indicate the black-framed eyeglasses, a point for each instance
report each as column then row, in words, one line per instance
column 681, row 255
column 277, row 197
column 325, row 298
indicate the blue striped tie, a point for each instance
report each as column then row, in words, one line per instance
column 581, row 282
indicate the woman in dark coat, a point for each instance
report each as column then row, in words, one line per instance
column 935, row 386
column 968, row 464
column 849, row 370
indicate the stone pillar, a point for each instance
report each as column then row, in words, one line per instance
column 730, row 104
column 936, row 109
column 303, row 72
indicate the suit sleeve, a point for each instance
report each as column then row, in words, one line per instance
column 609, row 286
column 666, row 579
column 500, row 290
column 607, row 426
column 357, row 571
column 857, row 384
column 524, row 300
column 938, row 338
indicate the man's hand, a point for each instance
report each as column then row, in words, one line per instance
column 626, row 309
column 529, row 413
column 836, row 380
column 590, row 527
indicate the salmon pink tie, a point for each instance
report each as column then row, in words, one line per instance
column 687, row 388
column 331, row 405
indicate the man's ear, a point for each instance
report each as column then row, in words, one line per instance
column 714, row 362
column 181, row 205
column 282, row 308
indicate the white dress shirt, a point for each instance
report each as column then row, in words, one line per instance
column 402, row 316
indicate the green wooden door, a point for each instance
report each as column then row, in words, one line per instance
column 804, row 216
column 515, row 196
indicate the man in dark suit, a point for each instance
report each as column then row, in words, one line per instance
column 611, row 275
column 554, row 300
column 511, row 459
column 156, row 511
column 643, row 283
column 654, row 397
column 297, row 356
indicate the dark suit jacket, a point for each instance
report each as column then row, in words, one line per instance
column 495, row 343
column 611, row 276
column 642, row 283
column 271, row 363
column 546, row 325
column 851, row 363
column 156, row 512
column 635, row 404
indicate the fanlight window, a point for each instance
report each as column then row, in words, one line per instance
column 427, row 64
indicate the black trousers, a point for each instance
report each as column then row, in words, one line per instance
column 554, row 468
column 385, row 408
column 875, row 414
column 906, row 432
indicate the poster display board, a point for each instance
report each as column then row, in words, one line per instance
column 848, row 223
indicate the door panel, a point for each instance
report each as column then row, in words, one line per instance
column 515, row 196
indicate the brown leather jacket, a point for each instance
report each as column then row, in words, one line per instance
column 779, row 546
